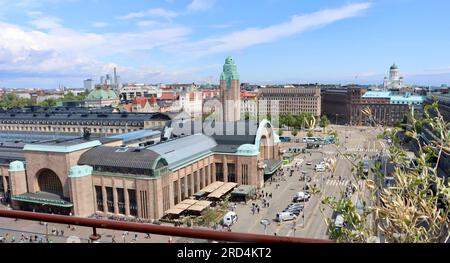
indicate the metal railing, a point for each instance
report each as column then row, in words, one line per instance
column 195, row 233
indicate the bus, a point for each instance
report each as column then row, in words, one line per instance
column 285, row 139
column 310, row 139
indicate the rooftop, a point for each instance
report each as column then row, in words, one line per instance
column 183, row 150
column 131, row 136
column 120, row 157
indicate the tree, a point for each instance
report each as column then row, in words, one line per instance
column 280, row 132
column 294, row 132
column 416, row 207
column 310, row 134
column 48, row 103
column 324, row 122
column 11, row 100
column 289, row 120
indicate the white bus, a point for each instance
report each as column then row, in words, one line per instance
column 310, row 139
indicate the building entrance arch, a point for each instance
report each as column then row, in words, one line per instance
column 49, row 182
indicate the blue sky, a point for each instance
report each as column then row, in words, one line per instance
column 47, row 42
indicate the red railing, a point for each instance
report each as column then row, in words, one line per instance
column 157, row 229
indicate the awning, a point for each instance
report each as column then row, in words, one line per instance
column 200, row 206
column 174, row 211
column 42, row 199
column 271, row 166
column 212, row 187
column 189, row 204
column 222, row 190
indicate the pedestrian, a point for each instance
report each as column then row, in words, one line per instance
column 62, row 232
column 113, row 239
column 135, row 237
column 270, row 195
column 258, row 209
column 148, row 236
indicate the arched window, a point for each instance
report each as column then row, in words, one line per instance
column 49, row 182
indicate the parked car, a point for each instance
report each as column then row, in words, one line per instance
column 285, row 216
column 309, row 163
column 229, row 219
column 292, row 205
column 339, row 221
column 320, row 168
column 295, row 212
column 301, row 196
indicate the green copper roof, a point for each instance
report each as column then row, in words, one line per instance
column 80, row 171
column 101, row 94
column 229, row 72
column 61, row 149
column 16, row 166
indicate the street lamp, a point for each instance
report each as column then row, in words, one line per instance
column 46, row 230
column 304, row 199
column 294, row 225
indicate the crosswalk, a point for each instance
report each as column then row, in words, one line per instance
column 367, row 147
column 336, row 182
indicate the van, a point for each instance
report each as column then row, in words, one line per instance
column 285, row 216
column 230, row 218
column 320, row 168
column 339, row 222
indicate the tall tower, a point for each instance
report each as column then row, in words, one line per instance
column 230, row 91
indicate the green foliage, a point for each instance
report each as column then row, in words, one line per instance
column 408, row 211
column 324, row 122
column 310, row 133
column 11, row 100
column 294, row 132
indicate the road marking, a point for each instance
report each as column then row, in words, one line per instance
column 335, row 182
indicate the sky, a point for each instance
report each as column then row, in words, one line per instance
column 45, row 43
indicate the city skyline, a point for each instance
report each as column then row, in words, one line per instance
column 50, row 42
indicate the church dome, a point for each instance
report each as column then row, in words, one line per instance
column 102, row 94
column 394, row 67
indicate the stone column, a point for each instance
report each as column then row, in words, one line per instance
column 127, row 198
column 18, row 178
column 82, row 190
column 213, row 173
column 115, row 200
column 225, row 169
column 105, row 197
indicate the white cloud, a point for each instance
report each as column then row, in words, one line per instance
column 253, row 36
column 35, row 13
column 46, row 22
column 63, row 51
column 100, row 24
column 200, row 5
column 146, row 23
column 221, row 26
column 154, row 12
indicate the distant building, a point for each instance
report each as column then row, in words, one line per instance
column 335, row 105
column 381, row 107
column 89, row 84
column 395, row 81
column 294, row 100
column 102, row 96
